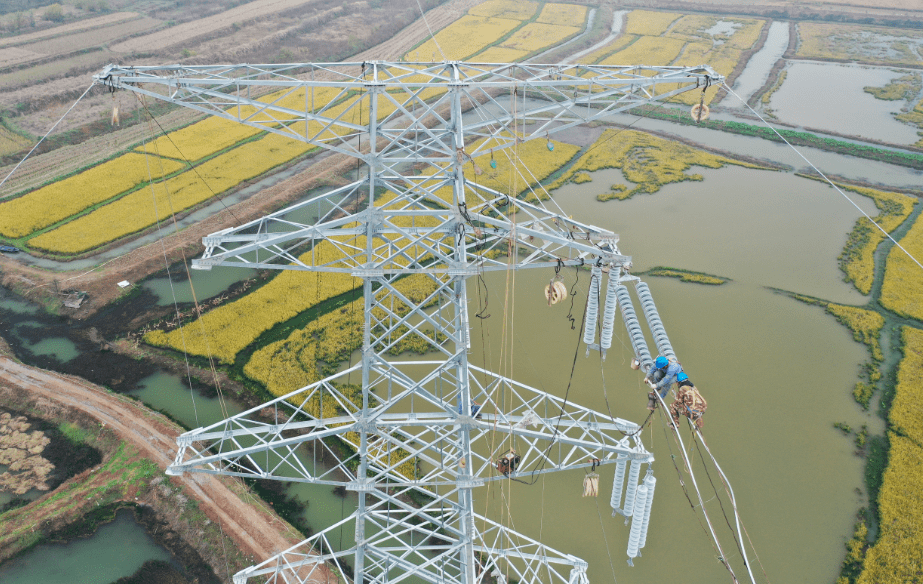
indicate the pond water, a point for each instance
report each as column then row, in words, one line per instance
column 829, row 96
column 776, row 373
column 760, row 64
column 170, row 393
column 116, row 550
column 61, row 348
column 206, row 284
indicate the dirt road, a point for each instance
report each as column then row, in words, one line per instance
column 256, row 531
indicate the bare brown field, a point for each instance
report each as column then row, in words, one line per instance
column 58, row 68
column 89, row 23
column 15, row 55
column 91, row 38
column 185, row 32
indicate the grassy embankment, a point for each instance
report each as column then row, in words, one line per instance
column 123, row 478
column 686, row 276
column 796, row 138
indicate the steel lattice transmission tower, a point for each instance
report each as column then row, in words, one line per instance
column 412, row 428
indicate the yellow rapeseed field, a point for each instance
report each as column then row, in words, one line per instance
column 857, row 259
column 48, row 205
column 294, row 362
column 138, row 210
column 648, row 50
column 902, row 289
column 500, row 55
column 906, row 415
column 228, row 329
column 865, row 325
column 563, row 14
column 518, row 169
column 200, row 139
column 649, row 23
column 897, row 554
column 647, row 161
column 536, row 35
column 515, row 9
column 615, row 46
column 463, row 38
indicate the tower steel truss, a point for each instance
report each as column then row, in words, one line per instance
column 422, row 428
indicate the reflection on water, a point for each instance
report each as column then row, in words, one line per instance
column 116, row 550
column 170, row 393
column 854, row 112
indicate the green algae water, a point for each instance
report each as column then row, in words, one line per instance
column 116, row 550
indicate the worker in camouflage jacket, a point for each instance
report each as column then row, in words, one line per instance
column 689, row 402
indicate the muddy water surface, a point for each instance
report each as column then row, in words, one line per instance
column 829, row 96
column 777, row 374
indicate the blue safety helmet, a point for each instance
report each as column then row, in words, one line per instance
column 682, row 377
column 661, row 362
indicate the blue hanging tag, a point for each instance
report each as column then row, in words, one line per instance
column 493, row 163
column 550, row 145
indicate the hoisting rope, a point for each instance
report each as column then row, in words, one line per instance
column 823, row 176
column 730, row 492
column 722, row 557
column 221, row 400
column 50, row 130
column 166, row 261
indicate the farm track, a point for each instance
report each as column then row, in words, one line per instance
column 260, row 534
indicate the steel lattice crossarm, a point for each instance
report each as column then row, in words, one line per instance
column 398, row 546
column 410, row 237
column 407, row 98
column 549, row 434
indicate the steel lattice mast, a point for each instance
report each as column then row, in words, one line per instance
column 430, row 427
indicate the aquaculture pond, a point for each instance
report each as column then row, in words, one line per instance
column 830, row 96
column 116, row 550
column 760, row 64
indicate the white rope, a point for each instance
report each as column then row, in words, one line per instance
column 46, row 134
column 845, row 196
column 727, row 483
column 432, row 36
column 682, row 448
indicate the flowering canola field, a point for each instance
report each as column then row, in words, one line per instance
column 514, row 9
column 293, row 362
column 897, row 554
column 857, row 259
column 902, row 289
column 58, row 201
column 198, row 140
column 647, row 161
column 666, row 38
column 228, row 329
column 142, row 208
column 563, row 14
